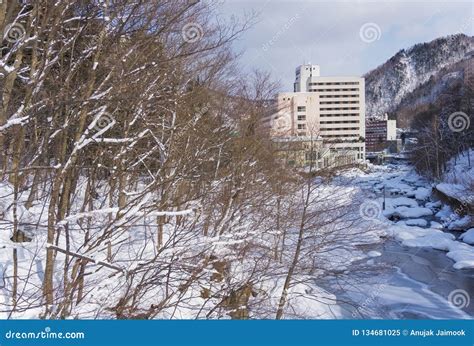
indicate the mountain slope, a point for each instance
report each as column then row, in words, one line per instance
column 390, row 83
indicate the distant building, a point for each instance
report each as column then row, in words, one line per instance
column 469, row 71
column 329, row 108
column 380, row 134
column 302, row 151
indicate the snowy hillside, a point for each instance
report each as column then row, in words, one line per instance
column 390, row 83
column 458, row 181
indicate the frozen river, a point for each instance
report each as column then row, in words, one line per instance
column 400, row 281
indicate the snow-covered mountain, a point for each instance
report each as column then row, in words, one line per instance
column 390, row 83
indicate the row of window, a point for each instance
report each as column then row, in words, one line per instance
column 339, row 108
column 337, row 96
column 378, row 128
column 339, row 115
column 338, row 102
column 375, row 139
column 341, row 122
column 337, row 136
column 331, row 90
column 335, row 83
column 328, row 96
column 303, row 118
column 375, row 133
column 341, row 129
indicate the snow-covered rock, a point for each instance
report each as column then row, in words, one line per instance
column 374, row 254
column 468, row 236
column 410, row 213
column 456, row 191
column 434, row 205
column 445, row 213
column 462, row 254
column 436, row 225
column 422, row 193
column 401, row 202
column 460, row 224
column 416, row 222
column 436, row 240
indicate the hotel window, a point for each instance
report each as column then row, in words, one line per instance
column 301, row 117
column 301, row 126
column 301, row 108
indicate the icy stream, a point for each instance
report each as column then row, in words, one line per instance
column 401, row 281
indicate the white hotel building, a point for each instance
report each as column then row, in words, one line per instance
column 331, row 109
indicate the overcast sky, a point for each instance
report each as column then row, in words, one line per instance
column 343, row 37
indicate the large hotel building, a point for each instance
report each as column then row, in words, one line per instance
column 330, row 110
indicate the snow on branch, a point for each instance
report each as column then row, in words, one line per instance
column 86, row 258
column 88, row 214
column 171, row 213
column 13, row 122
column 116, row 210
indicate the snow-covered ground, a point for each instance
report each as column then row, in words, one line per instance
column 347, row 249
column 458, row 180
